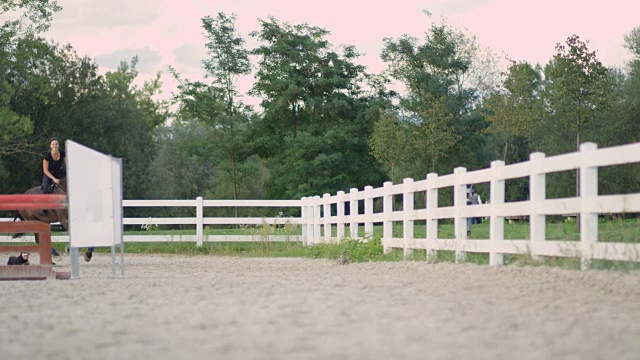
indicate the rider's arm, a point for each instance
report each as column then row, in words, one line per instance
column 45, row 168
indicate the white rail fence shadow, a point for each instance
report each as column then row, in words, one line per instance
column 330, row 218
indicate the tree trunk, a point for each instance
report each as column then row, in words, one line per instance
column 506, row 147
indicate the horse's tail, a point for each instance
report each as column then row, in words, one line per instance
column 17, row 216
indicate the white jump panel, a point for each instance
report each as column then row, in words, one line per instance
column 95, row 197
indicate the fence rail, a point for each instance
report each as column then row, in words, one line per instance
column 325, row 219
column 320, row 217
column 199, row 221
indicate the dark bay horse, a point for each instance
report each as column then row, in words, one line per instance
column 50, row 215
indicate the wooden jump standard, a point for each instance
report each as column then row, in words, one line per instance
column 40, row 229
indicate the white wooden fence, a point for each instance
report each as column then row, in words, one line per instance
column 200, row 221
column 318, row 220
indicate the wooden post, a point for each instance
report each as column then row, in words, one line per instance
column 588, row 194
column 304, row 215
column 496, row 226
column 387, row 225
column 340, row 204
column 460, row 223
column 368, row 212
column 353, row 213
column 316, row 219
column 199, row 221
column 326, row 217
column 537, row 195
column 407, row 218
column 432, row 222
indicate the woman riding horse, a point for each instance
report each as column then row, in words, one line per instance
column 54, row 167
column 54, row 181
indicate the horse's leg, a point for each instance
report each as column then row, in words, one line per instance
column 88, row 255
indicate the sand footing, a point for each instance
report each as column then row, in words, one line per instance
column 177, row 307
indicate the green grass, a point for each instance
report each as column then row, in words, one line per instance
column 350, row 250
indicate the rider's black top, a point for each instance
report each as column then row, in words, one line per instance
column 56, row 168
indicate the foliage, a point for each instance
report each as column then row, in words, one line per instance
column 439, row 71
column 632, row 41
column 182, row 167
column 390, row 142
column 325, row 123
column 64, row 96
column 516, row 109
column 25, row 19
column 436, row 132
column 316, row 118
column 215, row 104
column 576, row 88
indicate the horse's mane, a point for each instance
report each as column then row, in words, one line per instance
column 63, row 186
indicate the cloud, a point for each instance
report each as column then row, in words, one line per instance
column 107, row 14
column 189, row 56
column 453, row 7
column 148, row 59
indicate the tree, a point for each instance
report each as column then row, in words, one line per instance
column 447, row 63
column 577, row 91
column 28, row 17
column 516, row 108
column 182, row 168
column 442, row 65
column 577, row 86
column 215, row 103
column 389, row 143
column 64, row 96
column 229, row 58
column 317, row 119
column 623, row 121
column 632, row 42
column 436, row 132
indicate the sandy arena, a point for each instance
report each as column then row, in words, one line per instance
column 177, row 307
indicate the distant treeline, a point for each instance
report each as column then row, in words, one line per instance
column 324, row 123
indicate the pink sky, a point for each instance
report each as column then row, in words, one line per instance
column 168, row 32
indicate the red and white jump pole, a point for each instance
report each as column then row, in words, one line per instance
column 33, row 202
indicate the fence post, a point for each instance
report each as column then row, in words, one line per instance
column 496, row 223
column 537, row 195
column 317, row 206
column 588, row 193
column 368, row 212
column 407, row 217
column 304, row 214
column 387, row 209
column 311, row 223
column 340, row 203
column 459, row 202
column 353, row 213
column 326, row 217
column 199, row 221
column 432, row 222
